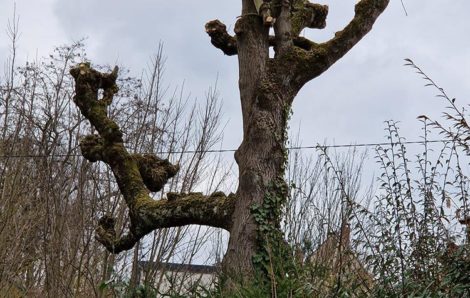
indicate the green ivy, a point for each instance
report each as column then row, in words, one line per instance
column 274, row 258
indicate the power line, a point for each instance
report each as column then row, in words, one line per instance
column 367, row 144
column 233, row 150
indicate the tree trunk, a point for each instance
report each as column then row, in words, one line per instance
column 261, row 157
column 267, row 89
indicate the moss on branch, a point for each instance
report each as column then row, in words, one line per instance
column 87, row 83
column 308, row 15
column 148, row 215
column 137, row 174
column 155, row 172
column 320, row 57
column 192, row 208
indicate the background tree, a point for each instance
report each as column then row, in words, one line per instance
column 267, row 89
column 51, row 197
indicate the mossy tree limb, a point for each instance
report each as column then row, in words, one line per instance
column 137, row 174
column 310, row 64
column 307, row 15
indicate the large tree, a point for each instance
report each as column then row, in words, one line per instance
column 268, row 87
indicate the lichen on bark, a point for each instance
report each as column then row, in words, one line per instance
column 308, row 15
column 137, row 174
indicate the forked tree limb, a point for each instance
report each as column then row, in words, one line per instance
column 136, row 174
column 192, row 208
column 304, row 14
column 154, row 171
column 310, row 64
column 228, row 44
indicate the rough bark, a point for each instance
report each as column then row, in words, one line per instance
column 261, row 156
column 137, row 174
column 308, row 15
column 267, row 89
column 310, row 64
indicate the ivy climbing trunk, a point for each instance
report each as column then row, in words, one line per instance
column 267, row 89
column 261, row 156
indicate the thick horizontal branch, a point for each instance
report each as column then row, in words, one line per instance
column 184, row 209
column 220, row 38
column 180, row 210
column 228, row 44
column 314, row 62
column 308, row 15
column 136, row 174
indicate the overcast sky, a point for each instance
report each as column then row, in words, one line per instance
column 347, row 104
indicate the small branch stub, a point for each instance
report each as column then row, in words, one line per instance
column 220, row 38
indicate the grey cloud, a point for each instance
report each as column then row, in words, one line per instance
column 347, row 104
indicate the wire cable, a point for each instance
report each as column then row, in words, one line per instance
column 233, row 150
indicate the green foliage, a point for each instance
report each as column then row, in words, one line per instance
column 457, row 273
column 274, row 261
column 416, row 251
column 411, row 246
column 272, row 245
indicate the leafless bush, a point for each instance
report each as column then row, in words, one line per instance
column 51, row 198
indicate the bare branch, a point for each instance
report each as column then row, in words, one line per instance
column 304, row 15
column 321, row 57
column 180, row 210
column 137, row 174
column 220, row 38
column 366, row 13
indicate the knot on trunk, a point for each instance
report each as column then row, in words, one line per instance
column 92, row 148
column 105, row 232
column 106, row 235
column 220, row 38
column 155, row 172
column 319, row 14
